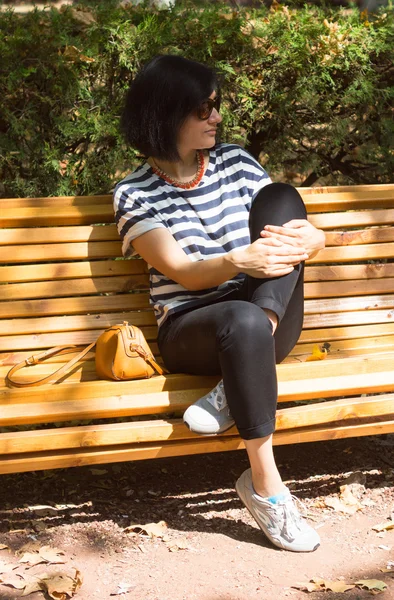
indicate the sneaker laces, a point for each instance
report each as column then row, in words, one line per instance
column 292, row 519
column 217, row 397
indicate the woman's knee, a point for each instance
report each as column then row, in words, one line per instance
column 282, row 199
column 245, row 322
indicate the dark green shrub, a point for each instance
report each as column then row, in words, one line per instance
column 309, row 91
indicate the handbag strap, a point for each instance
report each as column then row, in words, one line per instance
column 149, row 359
column 41, row 357
column 58, row 350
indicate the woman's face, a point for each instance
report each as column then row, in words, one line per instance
column 197, row 133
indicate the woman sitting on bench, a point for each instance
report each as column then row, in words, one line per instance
column 225, row 247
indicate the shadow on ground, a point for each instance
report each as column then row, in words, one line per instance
column 194, row 493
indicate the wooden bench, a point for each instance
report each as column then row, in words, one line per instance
column 63, row 281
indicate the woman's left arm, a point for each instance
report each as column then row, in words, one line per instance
column 298, row 232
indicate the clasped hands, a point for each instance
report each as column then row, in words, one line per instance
column 280, row 249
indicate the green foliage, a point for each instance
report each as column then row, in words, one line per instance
column 308, row 91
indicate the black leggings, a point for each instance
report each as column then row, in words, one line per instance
column 233, row 336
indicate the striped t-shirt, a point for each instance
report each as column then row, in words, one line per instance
column 207, row 221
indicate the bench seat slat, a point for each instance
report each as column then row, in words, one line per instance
column 300, row 374
column 20, row 463
column 169, row 430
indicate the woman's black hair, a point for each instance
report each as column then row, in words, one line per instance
column 160, row 98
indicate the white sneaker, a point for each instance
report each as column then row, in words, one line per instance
column 281, row 522
column 210, row 414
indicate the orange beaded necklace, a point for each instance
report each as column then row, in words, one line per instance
column 182, row 184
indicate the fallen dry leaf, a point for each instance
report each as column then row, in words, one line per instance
column 384, row 526
column 16, row 581
column 46, row 554
column 340, row 506
column 32, row 559
column 371, row 584
column 5, row 568
column 3, row 547
column 317, row 353
column 151, row 529
column 52, row 555
column 320, row 585
column 348, row 498
column 178, row 544
column 61, row 586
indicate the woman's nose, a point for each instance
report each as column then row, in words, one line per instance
column 215, row 116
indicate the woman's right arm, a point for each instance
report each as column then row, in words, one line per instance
column 264, row 258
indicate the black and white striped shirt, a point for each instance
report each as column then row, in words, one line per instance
column 207, row 221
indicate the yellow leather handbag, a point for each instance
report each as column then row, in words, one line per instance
column 122, row 353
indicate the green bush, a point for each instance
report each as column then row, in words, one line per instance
column 308, row 91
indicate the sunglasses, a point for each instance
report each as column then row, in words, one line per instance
column 205, row 109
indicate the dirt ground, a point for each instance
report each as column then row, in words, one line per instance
column 209, row 547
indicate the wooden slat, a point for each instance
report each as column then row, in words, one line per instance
column 59, row 235
column 363, row 236
column 159, row 430
column 44, row 325
column 12, row 358
column 346, row 188
column 363, row 218
column 375, row 270
column 62, row 215
column 75, row 458
column 328, row 289
column 74, row 323
column 56, row 271
column 37, row 341
column 105, row 199
column 73, row 306
column 356, row 303
column 369, row 371
column 349, row 200
column 87, row 286
column 348, row 318
column 96, row 268
column 73, row 287
column 342, row 333
column 46, row 252
column 351, row 253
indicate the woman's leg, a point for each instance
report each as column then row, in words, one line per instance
column 282, row 299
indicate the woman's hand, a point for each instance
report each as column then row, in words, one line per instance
column 297, row 233
column 268, row 257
